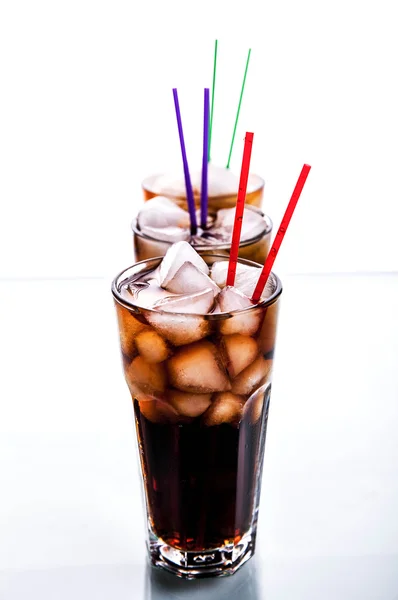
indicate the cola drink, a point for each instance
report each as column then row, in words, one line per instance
column 198, row 359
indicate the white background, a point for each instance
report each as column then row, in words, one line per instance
column 86, row 112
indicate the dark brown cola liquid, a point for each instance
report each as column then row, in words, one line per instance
column 201, row 481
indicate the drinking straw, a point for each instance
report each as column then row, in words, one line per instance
column 240, row 204
column 203, row 189
column 188, row 185
column 280, row 234
column 238, row 111
column 212, row 94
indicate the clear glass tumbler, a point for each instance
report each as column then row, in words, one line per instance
column 255, row 248
column 200, row 386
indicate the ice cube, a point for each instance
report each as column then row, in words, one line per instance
column 175, row 257
column 150, row 378
column 152, row 407
column 197, row 368
column 161, row 212
column 144, row 294
column 189, row 279
column 225, row 408
column 246, row 278
column 266, row 339
column 151, row 346
column 167, row 234
column 232, row 299
column 253, row 223
column 177, row 328
column 219, row 271
column 246, row 323
column 252, row 377
column 158, row 411
column 193, row 304
column 129, row 327
column 188, row 404
column 240, row 351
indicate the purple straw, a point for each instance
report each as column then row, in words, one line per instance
column 205, row 162
column 188, row 185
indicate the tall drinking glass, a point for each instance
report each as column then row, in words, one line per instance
column 200, row 386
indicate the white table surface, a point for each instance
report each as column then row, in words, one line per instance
column 71, row 517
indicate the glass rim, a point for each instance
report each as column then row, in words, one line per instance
column 209, row 247
column 126, row 273
column 145, row 184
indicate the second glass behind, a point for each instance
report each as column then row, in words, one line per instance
column 223, row 187
column 161, row 222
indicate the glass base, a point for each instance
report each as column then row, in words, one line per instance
column 216, row 562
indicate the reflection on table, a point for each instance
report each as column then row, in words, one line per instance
column 243, row 585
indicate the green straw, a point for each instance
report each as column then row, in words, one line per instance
column 237, row 114
column 212, row 96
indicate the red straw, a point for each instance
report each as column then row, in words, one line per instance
column 204, row 187
column 280, row 234
column 240, row 205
